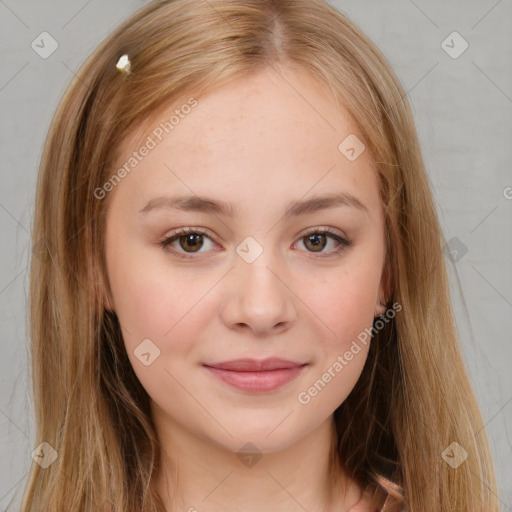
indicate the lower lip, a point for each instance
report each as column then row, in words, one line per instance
column 257, row 381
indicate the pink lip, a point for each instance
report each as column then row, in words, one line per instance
column 256, row 375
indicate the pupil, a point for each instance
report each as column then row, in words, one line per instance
column 316, row 243
column 193, row 241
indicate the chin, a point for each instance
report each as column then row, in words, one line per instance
column 264, row 439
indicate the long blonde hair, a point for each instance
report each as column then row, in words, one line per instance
column 413, row 399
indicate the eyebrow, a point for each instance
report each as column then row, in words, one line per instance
column 293, row 209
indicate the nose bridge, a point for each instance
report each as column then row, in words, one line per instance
column 259, row 297
column 258, row 267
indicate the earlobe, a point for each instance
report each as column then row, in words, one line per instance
column 107, row 301
column 101, row 293
column 384, row 292
column 379, row 310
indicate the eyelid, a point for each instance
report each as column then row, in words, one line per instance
column 327, row 229
column 300, row 234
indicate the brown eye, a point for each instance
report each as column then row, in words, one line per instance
column 190, row 241
column 316, row 242
column 193, row 242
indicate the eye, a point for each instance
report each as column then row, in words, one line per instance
column 188, row 238
column 192, row 238
column 317, row 238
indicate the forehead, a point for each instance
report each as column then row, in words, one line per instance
column 274, row 104
column 275, row 130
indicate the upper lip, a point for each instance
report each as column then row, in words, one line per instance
column 255, row 365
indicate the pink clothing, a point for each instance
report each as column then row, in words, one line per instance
column 364, row 505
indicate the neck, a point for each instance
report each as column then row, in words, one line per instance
column 196, row 474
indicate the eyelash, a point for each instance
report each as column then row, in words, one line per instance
column 343, row 243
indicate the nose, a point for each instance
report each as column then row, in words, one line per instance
column 257, row 297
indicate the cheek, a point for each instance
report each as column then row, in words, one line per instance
column 154, row 301
column 139, row 297
column 345, row 303
column 150, row 304
column 156, row 305
column 342, row 310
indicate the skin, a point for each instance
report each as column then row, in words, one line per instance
column 258, row 142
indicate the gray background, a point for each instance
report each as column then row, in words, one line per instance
column 463, row 110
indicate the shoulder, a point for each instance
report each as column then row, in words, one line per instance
column 375, row 499
column 368, row 504
column 363, row 505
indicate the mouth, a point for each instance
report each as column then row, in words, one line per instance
column 256, row 375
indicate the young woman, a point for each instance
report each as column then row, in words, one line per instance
column 242, row 303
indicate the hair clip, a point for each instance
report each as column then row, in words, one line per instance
column 124, row 64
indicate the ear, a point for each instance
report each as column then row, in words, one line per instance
column 106, row 298
column 384, row 290
column 100, row 288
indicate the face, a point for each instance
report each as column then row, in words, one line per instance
column 254, row 275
